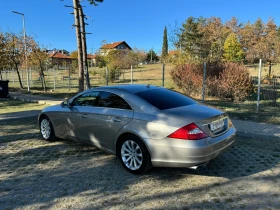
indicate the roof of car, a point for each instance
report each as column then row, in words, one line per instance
column 131, row 88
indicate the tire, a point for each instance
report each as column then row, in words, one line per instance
column 134, row 155
column 46, row 129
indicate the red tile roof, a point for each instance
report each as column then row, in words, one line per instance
column 173, row 52
column 113, row 45
column 90, row 56
column 59, row 55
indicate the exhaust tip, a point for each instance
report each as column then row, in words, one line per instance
column 199, row 166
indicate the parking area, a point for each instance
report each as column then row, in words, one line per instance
column 35, row 174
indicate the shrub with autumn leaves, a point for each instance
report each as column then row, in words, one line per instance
column 224, row 80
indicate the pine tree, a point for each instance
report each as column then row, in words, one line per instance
column 232, row 49
column 164, row 44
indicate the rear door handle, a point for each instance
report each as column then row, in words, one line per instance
column 83, row 115
column 117, row 119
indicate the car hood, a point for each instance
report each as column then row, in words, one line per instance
column 195, row 112
column 52, row 108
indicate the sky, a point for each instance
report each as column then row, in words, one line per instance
column 139, row 23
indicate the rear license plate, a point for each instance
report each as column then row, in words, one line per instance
column 217, row 124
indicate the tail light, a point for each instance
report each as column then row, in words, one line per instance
column 229, row 123
column 188, row 132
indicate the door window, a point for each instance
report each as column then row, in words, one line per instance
column 87, row 99
column 112, row 100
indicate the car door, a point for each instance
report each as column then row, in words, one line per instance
column 80, row 118
column 110, row 114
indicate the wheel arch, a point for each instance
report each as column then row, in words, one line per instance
column 121, row 136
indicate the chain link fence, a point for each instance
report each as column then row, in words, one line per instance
column 153, row 74
column 68, row 79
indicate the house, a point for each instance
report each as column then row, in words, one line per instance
column 91, row 60
column 60, row 59
column 122, row 45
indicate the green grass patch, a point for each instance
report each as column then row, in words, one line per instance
column 12, row 106
column 247, row 111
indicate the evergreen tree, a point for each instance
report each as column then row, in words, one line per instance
column 164, row 44
column 232, row 49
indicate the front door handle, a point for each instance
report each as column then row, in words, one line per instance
column 117, row 119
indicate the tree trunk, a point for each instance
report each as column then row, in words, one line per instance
column 19, row 78
column 42, row 77
column 84, row 46
column 269, row 68
column 1, row 75
column 79, row 44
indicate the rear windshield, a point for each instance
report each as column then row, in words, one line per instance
column 165, row 99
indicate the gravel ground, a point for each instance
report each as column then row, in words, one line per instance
column 35, row 174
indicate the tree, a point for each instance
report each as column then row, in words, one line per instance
column 151, row 56
column 164, row 53
column 38, row 57
column 190, row 38
column 14, row 53
column 74, row 64
column 232, row 49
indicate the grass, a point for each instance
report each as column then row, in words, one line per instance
column 247, row 111
column 254, row 69
column 12, row 106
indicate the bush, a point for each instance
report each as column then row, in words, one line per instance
column 233, row 82
column 189, row 78
column 224, row 80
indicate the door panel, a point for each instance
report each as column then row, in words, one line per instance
column 103, row 125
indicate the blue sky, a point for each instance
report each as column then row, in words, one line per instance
column 139, row 23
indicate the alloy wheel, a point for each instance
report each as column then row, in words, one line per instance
column 131, row 155
column 45, row 128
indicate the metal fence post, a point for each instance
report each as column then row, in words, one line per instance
column 54, row 74
column 69, row 77
column 131, row 74
column 30, row 77
column 204, row 81
column 14, row 78
column 27, row 78
column 106, row 75
column 259, row 85
column 28, row 82
column 163, row 69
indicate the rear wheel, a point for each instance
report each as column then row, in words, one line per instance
column 46, row 129
column 134, row 155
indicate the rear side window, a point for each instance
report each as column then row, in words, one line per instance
column 111, row 100
column 165, row 99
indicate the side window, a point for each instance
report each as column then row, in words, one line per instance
column 87, row 99
column 113, row 101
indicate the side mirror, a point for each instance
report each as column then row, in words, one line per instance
column 64, row 104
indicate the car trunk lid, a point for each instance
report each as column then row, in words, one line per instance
column 212, row 121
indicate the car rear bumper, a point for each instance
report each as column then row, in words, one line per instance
column 185, row 153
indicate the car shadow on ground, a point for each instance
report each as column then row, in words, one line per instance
column 39, row 173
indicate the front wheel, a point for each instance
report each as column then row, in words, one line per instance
column 46, row 129
column 134, row 155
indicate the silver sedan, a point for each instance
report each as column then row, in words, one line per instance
column 143, row 125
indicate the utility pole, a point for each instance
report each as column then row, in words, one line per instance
column 25, row 47
column 81, row 41
column 79, row 44
column 84, row 45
